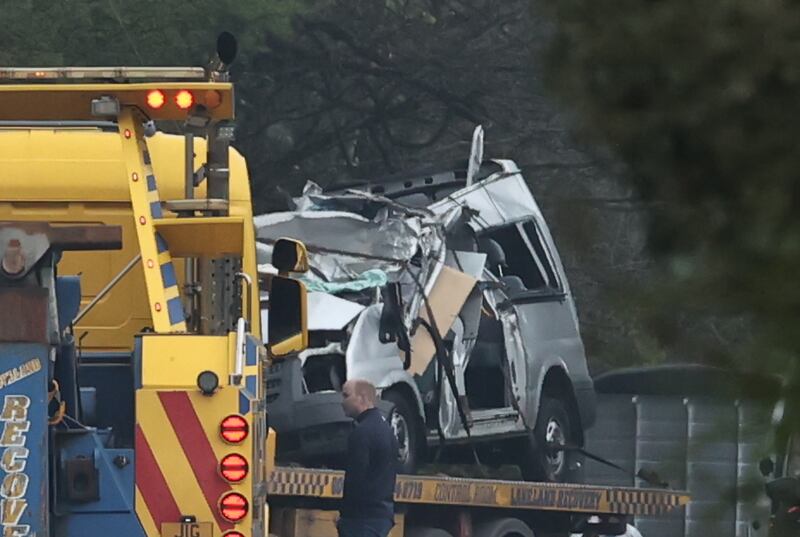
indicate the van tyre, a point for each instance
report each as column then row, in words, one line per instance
column 552, row 426
column 504, row 527
column 407, row 429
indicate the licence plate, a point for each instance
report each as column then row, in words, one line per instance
column 187, row 529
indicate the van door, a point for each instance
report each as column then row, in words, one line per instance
column 526, row 319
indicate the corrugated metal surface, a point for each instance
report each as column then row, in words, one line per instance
column 708, row 446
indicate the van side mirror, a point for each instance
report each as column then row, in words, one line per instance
column 289, row 255
column 287, row 324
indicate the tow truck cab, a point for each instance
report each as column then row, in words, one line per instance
column 140, row 393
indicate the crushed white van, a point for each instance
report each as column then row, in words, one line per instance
column 447, row 293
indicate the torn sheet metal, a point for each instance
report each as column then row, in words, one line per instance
column 448, row 403
column 347, row 234
column 417, row 284
column 475, row 154
column 498, row 200
column 471, row 263
column 328, row 312
column 330, row 348
column 391, row 239
column 353, row 201
column 366, row 357
column 517, row 358
column 471, row 312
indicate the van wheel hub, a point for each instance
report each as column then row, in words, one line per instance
column 554, row 436
column 400, row 428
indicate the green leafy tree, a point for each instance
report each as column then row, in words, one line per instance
column 145, row 32
column 700, row 104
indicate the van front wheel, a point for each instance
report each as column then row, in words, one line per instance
column 407, row 431
column 546, row 462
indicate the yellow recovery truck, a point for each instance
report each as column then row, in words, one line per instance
column 167, row 358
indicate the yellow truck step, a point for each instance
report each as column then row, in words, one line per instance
column 212, row 236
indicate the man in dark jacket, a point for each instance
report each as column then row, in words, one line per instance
column 371, row 472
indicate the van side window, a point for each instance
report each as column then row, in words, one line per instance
column 518, row 257
column 534, row 235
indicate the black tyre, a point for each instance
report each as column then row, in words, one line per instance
column 553, row 427
column 504, row 527
column 407, row 429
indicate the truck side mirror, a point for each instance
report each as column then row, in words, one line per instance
column 287, row 324
column 226, row 47
column 289, row 255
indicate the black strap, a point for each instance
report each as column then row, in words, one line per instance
column 648, row 476
column 444, row 363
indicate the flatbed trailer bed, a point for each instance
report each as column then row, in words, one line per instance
column 458, row 504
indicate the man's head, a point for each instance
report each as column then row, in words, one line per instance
column 358, row 396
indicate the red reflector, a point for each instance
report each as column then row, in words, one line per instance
column 234, row 506
column 234, row 429
column 184, row 99
column 233, row 468
column 233, row 534
column 155, row 99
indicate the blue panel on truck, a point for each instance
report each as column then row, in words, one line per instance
column 114, row 467
column 113, row 511
column 23, row 442
column 116, row 524
column 68, row 299
column 112, row 376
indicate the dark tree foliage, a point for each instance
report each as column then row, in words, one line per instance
column 337, row 90
column 700, row 103
column 367, row 88
column 145, row 32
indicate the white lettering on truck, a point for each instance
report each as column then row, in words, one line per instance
column 7, row 378
column 13, row 460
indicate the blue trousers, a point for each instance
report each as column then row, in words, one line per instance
column 364, row 527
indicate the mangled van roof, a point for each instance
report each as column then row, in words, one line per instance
column 499, row 191
column 420, row 180
column 354, row 223
column 355, row 230
column 502, row 198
